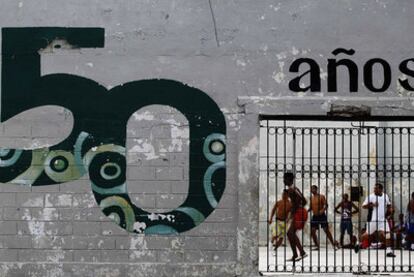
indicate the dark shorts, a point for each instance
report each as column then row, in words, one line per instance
column 410, row 228
column 321, row 220
column 346, row 226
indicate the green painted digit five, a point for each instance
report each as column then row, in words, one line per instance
column 96, row 144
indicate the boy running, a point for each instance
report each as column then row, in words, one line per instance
column 281, row 209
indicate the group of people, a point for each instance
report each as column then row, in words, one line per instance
column 380, row 230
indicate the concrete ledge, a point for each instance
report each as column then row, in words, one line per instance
column 321, row 105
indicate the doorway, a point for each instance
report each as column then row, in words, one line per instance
column 339, row 156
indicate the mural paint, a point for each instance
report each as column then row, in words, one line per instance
column 96, row 144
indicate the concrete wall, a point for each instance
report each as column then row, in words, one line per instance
column 238, row 53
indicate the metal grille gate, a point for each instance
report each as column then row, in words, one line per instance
column 338, row 157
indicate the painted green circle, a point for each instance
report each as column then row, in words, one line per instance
column 212, row 143
column 59, row 163
column 217, row 147
column 110, row 171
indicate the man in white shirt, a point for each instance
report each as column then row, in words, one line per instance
column 380, row 204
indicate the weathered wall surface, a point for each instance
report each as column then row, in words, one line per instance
column 236, row 52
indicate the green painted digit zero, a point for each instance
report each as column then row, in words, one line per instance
column 96, row 144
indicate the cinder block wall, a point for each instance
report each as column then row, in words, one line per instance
column 238, row 53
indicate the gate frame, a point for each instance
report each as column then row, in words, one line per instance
column 256, row 108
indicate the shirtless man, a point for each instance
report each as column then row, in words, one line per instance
column 318, row 208
column 378, row 227
column 297, row 216
column 282, row 209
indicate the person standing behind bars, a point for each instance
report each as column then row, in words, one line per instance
column 409, row 229
column 297, row 217
column 344, row 208
column 378, row 227
column 318, row 208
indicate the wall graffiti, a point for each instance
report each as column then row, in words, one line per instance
column 96, row 144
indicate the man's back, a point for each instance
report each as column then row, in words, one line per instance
column 283, row 208
column 318, row 202
column 296, row 198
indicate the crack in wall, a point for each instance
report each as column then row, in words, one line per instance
column 214, row 23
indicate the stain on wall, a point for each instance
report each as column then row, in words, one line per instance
column 96, row 144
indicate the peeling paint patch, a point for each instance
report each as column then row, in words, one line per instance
column 245, row 159
column 37, row 229
column 61, row 200
column 295, row 51
column 325, row 106
column 143, row 116
column 241, row 63
column 264, row 48
column 400, row 89
column 146, row 149
column 234, row 121
column 138, row 242
column 244, row 241
column 323, row 74
column 179, row 135
column 56, row 257
column 177, row 244
column 139, row 226
column 276, row 7
column 33, row 202
column 279, row 76
column 154, row 216
column 281, row 55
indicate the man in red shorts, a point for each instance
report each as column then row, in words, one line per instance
column 298, row 216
